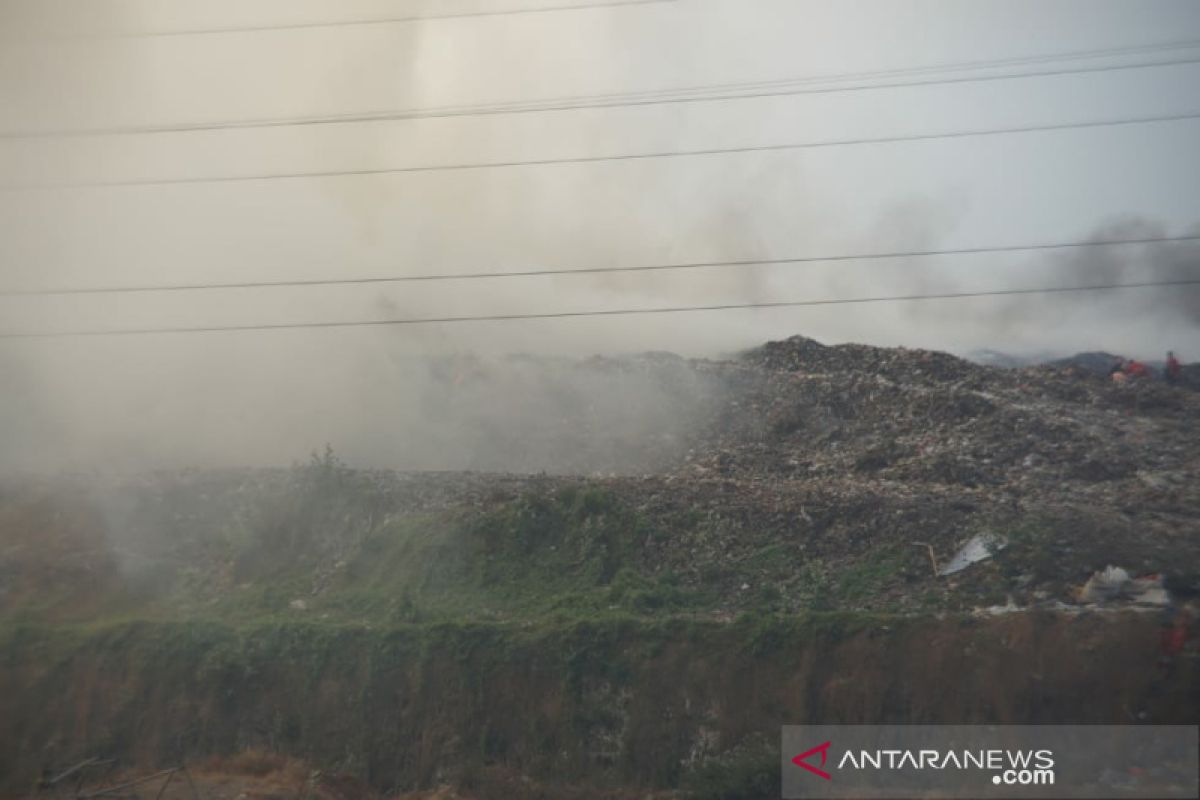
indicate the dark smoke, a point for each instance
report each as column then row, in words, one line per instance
column 1150, row 263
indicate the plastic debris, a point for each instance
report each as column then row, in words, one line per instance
column 1115, row 583
column 1148, row 590
column 1009, row 607
column 979, row 547
column 1104, row 586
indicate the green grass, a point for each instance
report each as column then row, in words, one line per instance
column 564, row 553
column 322, row 543
column 749, row 772
column 317, row 548
column 871, row 574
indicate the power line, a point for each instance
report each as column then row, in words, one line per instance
column 294, row 26
column 542, row 162
column 694, row 94
column 591, row 270
column 592, row 313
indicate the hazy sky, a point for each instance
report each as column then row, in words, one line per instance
column 968, row 192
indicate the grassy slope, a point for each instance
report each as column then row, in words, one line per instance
column 322, row 543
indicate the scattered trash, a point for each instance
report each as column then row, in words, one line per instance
column 1009, row 607
column 932, row 556
column 1148, row 590
column 978, row 548
column 1104, row 586
column 298, row 605
column 1114, row 583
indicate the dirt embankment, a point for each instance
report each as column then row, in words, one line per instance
column 629, row 704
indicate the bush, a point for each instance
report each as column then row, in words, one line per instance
column 750, row 773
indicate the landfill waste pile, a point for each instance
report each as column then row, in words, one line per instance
column 895, row 448
column 1098, row 362
column 810, row 477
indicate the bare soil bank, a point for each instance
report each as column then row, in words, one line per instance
column 615, row 704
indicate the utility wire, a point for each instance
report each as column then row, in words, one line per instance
column 542, row 162
column 529, row 273
column 592, row 313
column 693, row 94
column 295, row 26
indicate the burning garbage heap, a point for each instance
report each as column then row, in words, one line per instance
column 910, row 448
column 807, row 477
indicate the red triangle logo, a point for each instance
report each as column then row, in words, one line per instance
column 802, row 760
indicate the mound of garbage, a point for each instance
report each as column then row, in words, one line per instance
column 916, row 449
column 794, row 476
column 804, row 409
column 1098, row 362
